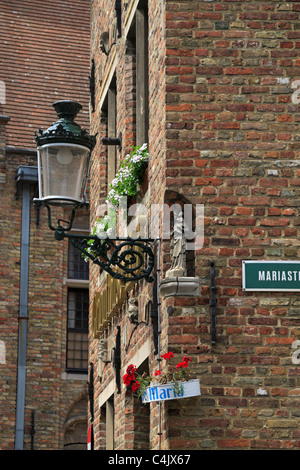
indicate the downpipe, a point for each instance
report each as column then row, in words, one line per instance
column 25, row 175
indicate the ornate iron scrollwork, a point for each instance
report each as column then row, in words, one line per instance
column 126, row 259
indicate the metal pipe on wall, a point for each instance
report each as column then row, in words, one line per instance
column 25, row 175
column 158, row 333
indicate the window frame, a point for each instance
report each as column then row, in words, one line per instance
column 79, row 330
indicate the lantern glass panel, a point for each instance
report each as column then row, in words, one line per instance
column 62, row 172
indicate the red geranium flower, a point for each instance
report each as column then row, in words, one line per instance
column 131, row 369
column 187, row 359
column 135, row 386
column 130, row 375
column 158, row 372
column 126, row 379
column 183, row 364
column 167, row 355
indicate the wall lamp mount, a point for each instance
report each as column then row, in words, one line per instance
column 117, row 141
column 64, row 151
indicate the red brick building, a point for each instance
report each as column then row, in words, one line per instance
column 212, row 87
column 44, row 58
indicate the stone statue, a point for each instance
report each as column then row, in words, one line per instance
column 178, row 249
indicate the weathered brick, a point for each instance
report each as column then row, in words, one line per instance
column 222, row 134
column 40, row 63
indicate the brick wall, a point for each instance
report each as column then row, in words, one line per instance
column 41, row 62
column 129, row 433
column 232, row 145
column 222, row 133
column 50, row 394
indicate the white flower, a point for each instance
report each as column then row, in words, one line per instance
column 143, row 147
column 137, row 158
column 122, row 185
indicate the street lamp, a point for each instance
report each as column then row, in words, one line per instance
column 63, row 162
column 63, row 157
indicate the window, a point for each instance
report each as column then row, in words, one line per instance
column 137, row 54
column 77, row 330
column 137, row 81
column 141, row 34
column 106, row 437
column 77, row 311
column 110, row 114
column 77, row 267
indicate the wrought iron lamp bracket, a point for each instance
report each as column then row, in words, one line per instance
column 113, row 141
column 127, row 259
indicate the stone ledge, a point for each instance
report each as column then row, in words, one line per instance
column 180, row 286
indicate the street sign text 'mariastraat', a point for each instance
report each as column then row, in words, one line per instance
column 271, row 276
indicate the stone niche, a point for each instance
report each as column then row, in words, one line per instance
column 179, row 280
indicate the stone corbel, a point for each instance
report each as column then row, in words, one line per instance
column 180, row 286
column 133, row 310
column 103, row 351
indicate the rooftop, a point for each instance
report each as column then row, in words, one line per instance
column 44, row 57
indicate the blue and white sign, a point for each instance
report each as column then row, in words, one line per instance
column 160, row 392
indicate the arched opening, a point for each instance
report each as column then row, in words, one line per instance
column 76, row 424
column 177, row 201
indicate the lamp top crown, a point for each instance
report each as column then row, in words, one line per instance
column 67, row 109
column 65, row 130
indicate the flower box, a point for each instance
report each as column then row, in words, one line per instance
column 161, row 392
